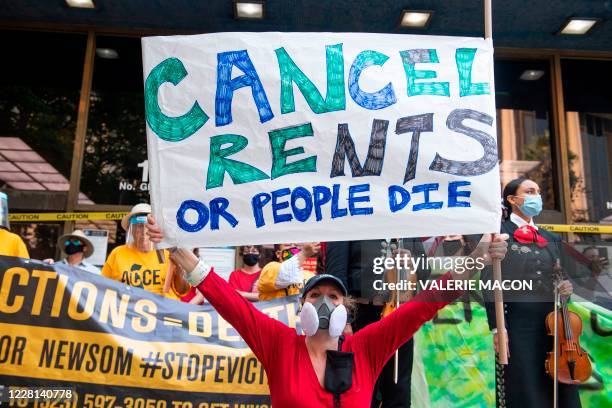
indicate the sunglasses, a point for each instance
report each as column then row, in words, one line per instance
column 74, row 242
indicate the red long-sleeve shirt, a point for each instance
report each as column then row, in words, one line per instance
column 291, row 377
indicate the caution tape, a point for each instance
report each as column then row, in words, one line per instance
column 109, row 216
column 66, row 216
column 580, row 228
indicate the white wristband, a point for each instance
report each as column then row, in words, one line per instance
column 199, row 273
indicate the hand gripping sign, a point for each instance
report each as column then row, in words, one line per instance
column 295, row 137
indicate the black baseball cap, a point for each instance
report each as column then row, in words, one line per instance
column 324, row 278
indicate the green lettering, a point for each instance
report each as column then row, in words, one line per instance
column 170, row 129
column 278, row 139
column 219, row 164
column 412, row 57
column 290, row 73
column 465, row 58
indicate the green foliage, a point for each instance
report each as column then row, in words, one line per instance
column 44, row 118
column 115, row 144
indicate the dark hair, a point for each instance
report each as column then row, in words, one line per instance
column 510, row 190
column 259, row 248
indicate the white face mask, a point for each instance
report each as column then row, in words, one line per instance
column 323, row 315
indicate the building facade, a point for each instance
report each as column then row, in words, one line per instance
column 72, row 124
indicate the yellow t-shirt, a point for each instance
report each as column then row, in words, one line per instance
column 12, row 245
column 139, row 269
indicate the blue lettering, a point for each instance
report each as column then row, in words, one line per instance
column 322, row 195
column 335, row 211
column 226, row 86
column 277, row 206
column 454, row 194
column 218, row 208
column 369, row 100
column 425, row 189
column 257, row 203
column 394, row 205
column 301, row 214
column 201, row 220
column 353, row 199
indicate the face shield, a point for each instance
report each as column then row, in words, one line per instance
column 137, row 237
column 4, row 220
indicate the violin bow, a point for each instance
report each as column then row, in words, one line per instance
column 558, row 277
column 402, row 273
column 388, row 247
column 400, row 245
column 499, row 314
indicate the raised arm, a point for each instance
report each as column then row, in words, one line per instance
column 259, row 331
column 382, row 338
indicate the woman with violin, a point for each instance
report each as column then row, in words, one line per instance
column 533, row 255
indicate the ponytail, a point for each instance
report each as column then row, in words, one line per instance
column 510, row 190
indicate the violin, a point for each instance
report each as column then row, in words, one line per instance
column 395, row 276
column 572, row 362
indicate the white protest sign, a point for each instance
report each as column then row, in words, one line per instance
column 99, row 240
column 224, row 260
column 294, row 137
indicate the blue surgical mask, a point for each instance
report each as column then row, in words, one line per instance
column 532, row 206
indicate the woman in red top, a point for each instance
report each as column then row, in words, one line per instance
column 243, row 279
column 296, row 364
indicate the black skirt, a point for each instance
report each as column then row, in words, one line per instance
column 523, row 383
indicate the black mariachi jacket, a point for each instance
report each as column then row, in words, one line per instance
column 525, row 262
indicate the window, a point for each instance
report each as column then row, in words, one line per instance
column 39, row 96
column 40, row 238
column 588, row 104
column 524, row 125
column 115, row 167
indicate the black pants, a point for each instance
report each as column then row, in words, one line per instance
column 392, row 395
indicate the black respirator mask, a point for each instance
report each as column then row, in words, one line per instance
column 250, row 259
column 451, row 248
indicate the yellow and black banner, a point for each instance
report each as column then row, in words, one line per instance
column 120, row 346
